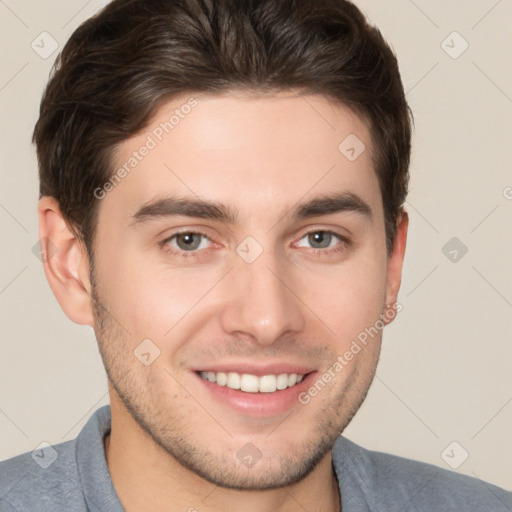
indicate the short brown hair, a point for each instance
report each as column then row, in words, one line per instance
column 119, row 65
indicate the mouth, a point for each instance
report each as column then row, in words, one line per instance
column 256, row 392
column 250, row 383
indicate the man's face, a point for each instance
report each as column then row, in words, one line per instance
column 269, row 288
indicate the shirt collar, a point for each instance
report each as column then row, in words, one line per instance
column 95, row 480
column 351, row 471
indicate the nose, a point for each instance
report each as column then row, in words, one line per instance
column 263, row 304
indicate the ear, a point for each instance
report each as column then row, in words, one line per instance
column 65, row 263
column 395, row 264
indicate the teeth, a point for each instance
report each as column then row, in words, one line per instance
column 268, row 384
column 282, row 381
column 233, row 380
column 249, row 383
column 222, row 378
column 252, row 383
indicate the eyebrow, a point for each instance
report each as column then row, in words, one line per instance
column 171, row 206
column 345, row 202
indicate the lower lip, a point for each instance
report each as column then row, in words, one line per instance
column 259, row 404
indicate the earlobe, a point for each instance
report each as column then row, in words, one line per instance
column 65, row 263
column 395, row 263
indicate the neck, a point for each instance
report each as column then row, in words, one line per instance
column 147, row 478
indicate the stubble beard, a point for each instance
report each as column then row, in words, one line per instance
column 135, row 387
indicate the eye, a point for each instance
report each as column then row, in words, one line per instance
column 321, row 239
column 188, row 241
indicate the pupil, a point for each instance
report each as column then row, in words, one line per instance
column 320, row 239
column 187, row 241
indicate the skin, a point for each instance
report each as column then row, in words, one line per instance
column 172, row 447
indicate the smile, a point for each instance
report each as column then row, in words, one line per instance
column 249, row 383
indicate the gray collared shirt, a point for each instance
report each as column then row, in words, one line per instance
column 74, row 477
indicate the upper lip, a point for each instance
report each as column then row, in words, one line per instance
column 256, row 369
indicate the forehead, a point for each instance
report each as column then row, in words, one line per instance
column 253, row 150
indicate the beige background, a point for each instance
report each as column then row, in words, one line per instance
column 445, row 373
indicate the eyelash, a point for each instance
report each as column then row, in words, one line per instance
column 340, row 247
column 343, row 244
column 182, row 254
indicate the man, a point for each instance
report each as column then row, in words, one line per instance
column 222, row 186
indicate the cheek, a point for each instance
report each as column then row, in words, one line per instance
column 349, row 298
column 150, row 298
